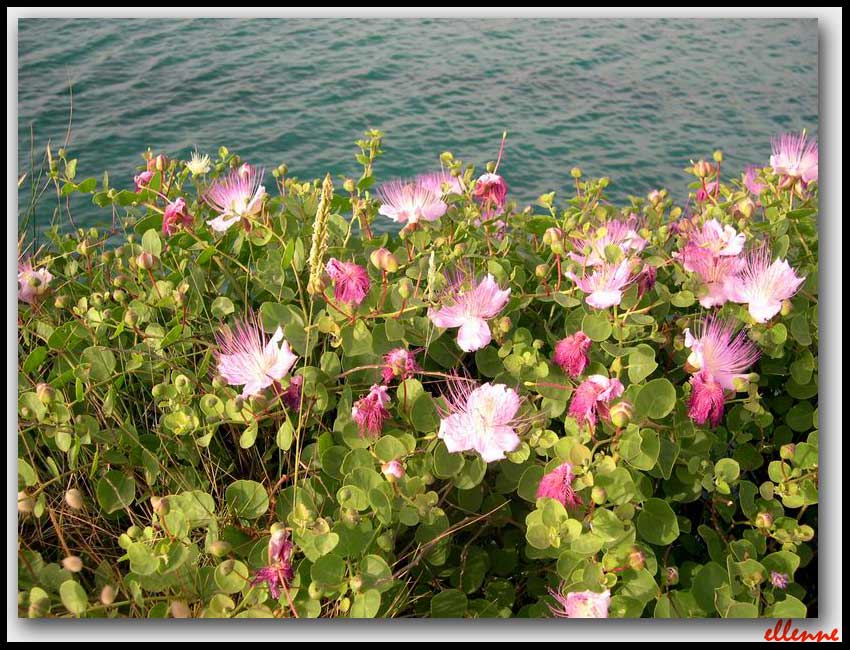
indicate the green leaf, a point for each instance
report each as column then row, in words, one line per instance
column 640, row 448
column 102, row 362
column 790, row 607
column 247, row 499
column 115, row 491
column 328, row 570
column 151, row 243
column 222, row 307
column 709, row 578
column 366, row 604
column 641, row 363
column 142, row 559
column 423, row 414
column 231, row 576
column 656, row 399
column 657, row 523
column 727, row 470
column 73, row 597
column 596, row 326
column 446, row 464
column 451, row 603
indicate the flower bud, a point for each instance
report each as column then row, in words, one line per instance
column 384, row 260
column 61, row 302
column 787, row 307
column 45, row 393
column 146, row 261
column 637, row 559
column 26, row 503
column 598, row 495
column 671, row 576
column 405, row 288
column 179, row 609
column 134, row 532
column 72, row 563
column 220, row 548
column 160, row 163
column 541, row 270
column 718, row 156
column 764, row 520
column 787, row 451
column 107, row 595
column 503, row 325
column 621, row 413
column 392, row 470
column 655, row 198
column 746, row 207
column 575, row 172
column 355, row 584
column 702, row 169
column 74, row 499
column 348, row 185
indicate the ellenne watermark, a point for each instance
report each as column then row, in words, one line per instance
column 784, row 632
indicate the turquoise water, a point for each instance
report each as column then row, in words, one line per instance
column 631, row 99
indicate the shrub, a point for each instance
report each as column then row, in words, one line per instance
column 250, row 400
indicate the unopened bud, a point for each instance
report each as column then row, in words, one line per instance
column 392, row 470
column 575, row 172
column 220, row 548
column 72, row 563
column 146, row 260
column 356, row 584
column 348, row 185
column 671, row 576
column 787, row 451
column 160, row 163
column 702, row 169
column 637, row 559
column 384, row 260
column 621, row 413
column 61, row 302
column 746, row 207
column 45, row 393
column 179, row 609
column 134, row 532
column 598, row 495
column 541, row 270
column 718, row 156
column 764, row 520
column 315, row 591
column 107, row 595
column 655, row 198
column 787, row 307
column 25, row 503
column 405, row 288
column 504, row 325
column 74, row 499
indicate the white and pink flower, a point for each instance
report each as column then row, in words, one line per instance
column 468, row 305
column 235, row 197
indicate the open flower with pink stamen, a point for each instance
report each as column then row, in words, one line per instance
column 142, row 180
column 481, row 418
column 412, row 201
column 244, row 358
column 558, row 485
column 400, row 363
column 370, row 411
column 591, row 398
column 763, row 284
column 351, row 281
column 590, row 249
column 720, row 351
column 175, row 215
column 715, row 273
column 580, row 604
column 751, row 180
column 795, row 157
column 490, row 192
column 605, row 284
column 713, row 238
column 32, row 283
column 279, row 571
column 441, row 183
column 468, row 304
column 571, row 353
column 235, row 197
column 707, row 399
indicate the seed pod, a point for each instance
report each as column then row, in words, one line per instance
column 72, row 563
column 74, row 499
column 107, row 595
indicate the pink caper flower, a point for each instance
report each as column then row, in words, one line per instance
column 707, row 399
column 400, row 363
column 142, row 180
column 392, row 470
column 558, row 485
column 279, row 572
column 32, row 283
column 468, row 305
column 571, row 353
column 795, row 157
column 490, row 192
column 175, row 215
column 592, row 397
column 581, row 604
column 351, row 281
column 370, row 411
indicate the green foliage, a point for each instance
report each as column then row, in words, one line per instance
column 137, row 457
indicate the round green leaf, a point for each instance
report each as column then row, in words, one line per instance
column 115, row 491
column 657, row 523
column 73, row 597
column 247, row 499
column 451, row 603
column 656, row 399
